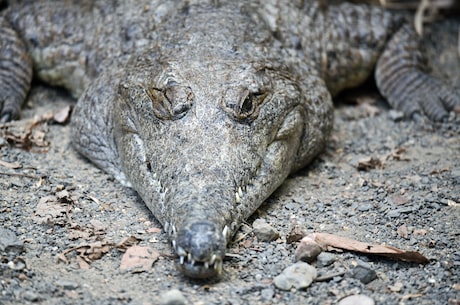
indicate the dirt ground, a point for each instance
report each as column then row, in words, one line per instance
column 54, row 202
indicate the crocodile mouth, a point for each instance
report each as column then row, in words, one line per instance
column 201, row 247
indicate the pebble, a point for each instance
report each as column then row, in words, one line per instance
column 364, row 274
column 173, row 297
column 298, row 276
column 264, row 231
column 31, row 296
column 67, row 285
column 358, row 299
column 307, row 250
column 325, row 259
column 267, row 293
column 9, row 242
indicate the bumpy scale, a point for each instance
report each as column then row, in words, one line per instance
column 205, row 107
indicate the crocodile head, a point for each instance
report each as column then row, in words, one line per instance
column 206, row 134
column 205, row 144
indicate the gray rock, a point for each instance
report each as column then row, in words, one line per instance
column 364, row 274
column 67, row 285
column 31, row 296
column 9, row 242
column 358, row 299
column 298, row 276
column 173, row 297
column 267, row 293
column 264, row 231
column 325, row 259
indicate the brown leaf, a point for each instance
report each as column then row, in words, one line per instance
column 397, row 154
column 82, row 263
column 368, row 163
column 127, row 242
column 332, row 242
column 49, row 210
column 138, row 259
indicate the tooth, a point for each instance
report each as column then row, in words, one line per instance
column 180, row 251
column 192, row 262
column 240, row 192
column 181, row 259
column 213, row 259
column 173, row 243
column 237, row 198
column 206, row 265
column 225, row 232
column 189, row 257
column 218, row 267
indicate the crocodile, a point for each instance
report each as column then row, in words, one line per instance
column 205, row 107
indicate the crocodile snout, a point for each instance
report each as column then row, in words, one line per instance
column 201, row 248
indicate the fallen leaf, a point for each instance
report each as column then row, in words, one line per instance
column 127, row 242
column 82, row 263
column 138, row 259
column 10, row 164
column 49, row 210
column 368, row 163
column 330, row 242
column 397, row 154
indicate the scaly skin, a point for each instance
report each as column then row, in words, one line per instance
column 205, row 108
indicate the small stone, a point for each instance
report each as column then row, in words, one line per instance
column 264, row 231
column 364, row 274
column 173, row 297
column 394, row 213
column 67, row 285
column 31, row 296
column 395, row 115
column 298, row 276
column 9, row 242
column 325, row 259
column 308, row 250
column 358, row 299
column 267, row 293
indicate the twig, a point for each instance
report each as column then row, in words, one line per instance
column 20, row 175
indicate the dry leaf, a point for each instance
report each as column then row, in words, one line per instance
column 332, row 242
column 368, row 163
column 138, row 259
column 10, row 164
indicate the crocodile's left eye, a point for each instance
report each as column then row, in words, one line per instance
column 243, row 105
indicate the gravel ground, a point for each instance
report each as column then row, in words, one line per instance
column 408, row 198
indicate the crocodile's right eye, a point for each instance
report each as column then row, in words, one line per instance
column 172, row 102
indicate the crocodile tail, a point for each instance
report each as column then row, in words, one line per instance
column 403, row 78
column 15, row 72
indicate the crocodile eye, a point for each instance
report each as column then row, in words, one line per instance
column 172, row 102
column 243, row 105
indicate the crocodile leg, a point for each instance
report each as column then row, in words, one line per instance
column 15, row 72
column 402, row 77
